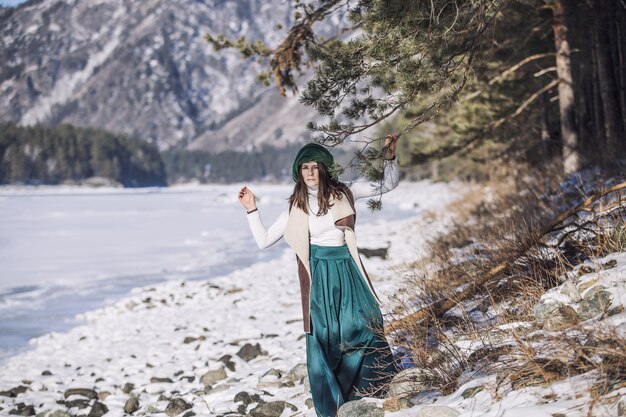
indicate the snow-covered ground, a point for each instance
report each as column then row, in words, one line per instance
column 140, row 337
column 223, row 346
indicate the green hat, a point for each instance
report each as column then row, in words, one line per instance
column 311, row 152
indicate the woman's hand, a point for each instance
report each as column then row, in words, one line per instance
column 247, row 199
column 391, row 143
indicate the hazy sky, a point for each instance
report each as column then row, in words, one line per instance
column 11, row 2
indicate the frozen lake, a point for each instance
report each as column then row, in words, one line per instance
column 64, row 251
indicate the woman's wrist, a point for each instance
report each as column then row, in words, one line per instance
column 387, row 158
column 251, row 210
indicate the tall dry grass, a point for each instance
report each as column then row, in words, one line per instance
column 495, row 331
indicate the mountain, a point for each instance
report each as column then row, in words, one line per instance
column 142, row 67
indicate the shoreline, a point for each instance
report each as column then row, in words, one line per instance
column 206, row 341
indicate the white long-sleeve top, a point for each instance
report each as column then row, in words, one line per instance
column 322, row 229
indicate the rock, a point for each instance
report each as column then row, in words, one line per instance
column 83, row 392
column 131, row 405
column 309, row 403
column 23, row 410
column 189, row 414
column 211, row 377
column 391, row 405
column 98, row 410
column 562, row 318
column 270, row 379
column 226, row 360
column 102, row 395
column 59, row 413
column 297, row 373
column 360, row 408
column 243, row 397
column 586, row 269
column 369, row 253
column 306, row 385
column 271, row 409
column 46, row 373
column 544, row 310
column 128, row 388
column 177, row 406
column 79, row 403
column 595, row 302
column 570, row 290
column 610, row 264
column 249, row 352
column 437, row 411
column 621, row 407
column 157, row 380
column 214, row 390
column 471, row 392
column 405, row 384
column 9, row 394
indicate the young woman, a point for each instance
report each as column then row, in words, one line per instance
column 347, row 354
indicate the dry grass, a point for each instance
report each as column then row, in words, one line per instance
column 495, row 227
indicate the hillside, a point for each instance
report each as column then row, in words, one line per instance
column 142, row 68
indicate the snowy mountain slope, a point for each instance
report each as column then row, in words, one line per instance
column 142, row 67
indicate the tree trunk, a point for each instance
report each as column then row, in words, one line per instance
column 606, row 78
column 567, row 103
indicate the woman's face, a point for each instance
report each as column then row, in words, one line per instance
column 310, row 174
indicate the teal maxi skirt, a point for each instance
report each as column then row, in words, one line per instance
column 347, row 355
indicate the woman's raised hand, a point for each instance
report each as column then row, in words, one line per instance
column 247, row 199
column 391, row 143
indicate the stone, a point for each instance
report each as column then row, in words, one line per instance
column 471, row 392
column 23, row 410
column 243, row 397
column 562, row 318
column 226, row 360
column 102, row 395
column 437, row 411
column 271, row 409
column 570, row 290
column 270, row 379
column 46, row 373
column 391, row 405
column 211, row 377
column 98, row 410
column 306, row 386
column 621, row 407
column 610, row 264
column 405, row 384
column 214, row 390
column 297, row 373
column 544, row 310
column 157, row 380
column 83, row 392
column 309, row 403
column 360, row 408
column 131, row 405
column 79, row 403
column 189, row 414
column 59, row 413
column 249, row 352
column 595, row 302
column 128, row 388
column 177, row 406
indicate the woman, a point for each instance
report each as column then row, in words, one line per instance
column 347, row 354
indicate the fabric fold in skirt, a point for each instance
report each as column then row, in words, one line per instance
column 347, row 355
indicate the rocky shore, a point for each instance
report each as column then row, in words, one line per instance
column 225, row 347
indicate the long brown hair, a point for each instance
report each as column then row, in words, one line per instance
column 327, row 187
